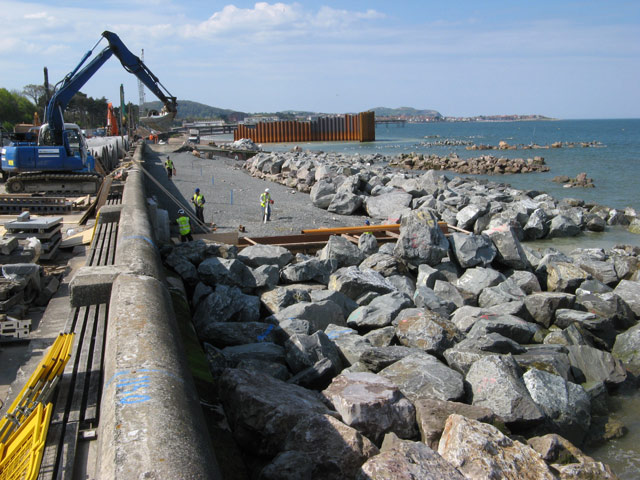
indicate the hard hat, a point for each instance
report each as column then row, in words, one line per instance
column 266, row 189
column 180, row 212
column 197, row 190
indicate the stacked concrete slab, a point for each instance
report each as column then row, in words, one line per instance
column 46, row 229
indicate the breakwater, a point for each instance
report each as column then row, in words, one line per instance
column 360, row 127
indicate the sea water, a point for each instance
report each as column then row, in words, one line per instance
column 614, row 166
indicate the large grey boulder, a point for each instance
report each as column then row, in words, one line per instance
column 408, row 460
column 303, row 351
column 350, row 344
column 214, row 271
column 602, row 328
column 504, row 292
column 372, row 404
column 262, row 410
column 432, row 415
column 542, row 306
column 475, row 280
column 496, row 383
column 380, row 312
column 354, row 282
column 424, row 297
column 537, row 226
column 345, row 203
column 265, row 276
column 627, row 349
column 311, row 270
column 565, row 277
column 378, row 358
column 263, row 351
column 342, row 251
column 256, row 255
column 183, row 267
column 449, row 291
column 468, row 215
column 629, row 291
column 550, row 358
column 480, row 450
column 491, row 342
column 368, row 243
column 322, row 193
column 195, row 252
column 318, row 314
column 421, row 239
column 593, row 365
column 421, row 375
column 527, row 281
column 338, row 298
column 464, row 354
column 601, row 268
column 388, row 204
column 226, row 334
column 226, row 304
column 320, row 446
column 608, row 305
column 472, row 250
column 383, row 263
column 510, row 252
column 562, row 226
column 427, row 276
column 280, row 298
column 426, row 330
column 566, row 405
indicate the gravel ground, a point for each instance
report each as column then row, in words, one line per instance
column 233, row 196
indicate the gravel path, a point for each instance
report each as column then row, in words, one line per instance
column 233, row 196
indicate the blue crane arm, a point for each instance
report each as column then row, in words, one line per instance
column 74, row 81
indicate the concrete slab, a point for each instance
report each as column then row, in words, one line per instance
column 92, row 285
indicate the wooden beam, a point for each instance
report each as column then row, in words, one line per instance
column 360, row 229
column 351, row 238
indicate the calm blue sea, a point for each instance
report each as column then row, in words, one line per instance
column 614, row 168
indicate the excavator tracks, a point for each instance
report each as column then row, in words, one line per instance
column 66, row 183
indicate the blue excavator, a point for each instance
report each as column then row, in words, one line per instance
column 59, row 161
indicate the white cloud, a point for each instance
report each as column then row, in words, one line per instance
column 267, row 22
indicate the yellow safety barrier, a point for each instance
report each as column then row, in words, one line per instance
column 20, row 456
column 39, row 386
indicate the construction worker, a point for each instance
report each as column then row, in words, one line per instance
column 185, row 227
column 265, row 203
column 169, row 166
column 198, row 202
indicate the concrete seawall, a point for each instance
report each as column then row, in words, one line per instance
column 151, row 424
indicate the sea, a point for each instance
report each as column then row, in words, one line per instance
column 612, row 161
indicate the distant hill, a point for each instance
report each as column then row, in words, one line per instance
column 188, row 110
column 405, row 111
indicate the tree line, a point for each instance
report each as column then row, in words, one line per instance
column 20, row 107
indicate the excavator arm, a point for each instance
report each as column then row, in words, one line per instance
column 75, row 80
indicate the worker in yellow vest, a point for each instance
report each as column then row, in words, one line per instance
column 198, row 202
column 185, row 227
column 265, row 203
column 169, row 166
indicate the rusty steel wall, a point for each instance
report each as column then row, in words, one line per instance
column 360, row 127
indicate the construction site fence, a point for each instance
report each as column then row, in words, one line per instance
column 358, row 127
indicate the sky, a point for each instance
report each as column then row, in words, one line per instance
column 559, row 58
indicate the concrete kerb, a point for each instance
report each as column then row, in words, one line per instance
column 151, row 423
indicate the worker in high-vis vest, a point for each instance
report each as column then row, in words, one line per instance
column 198, row 202
column 169, row 166
column 185, row 227
column 265, row 203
